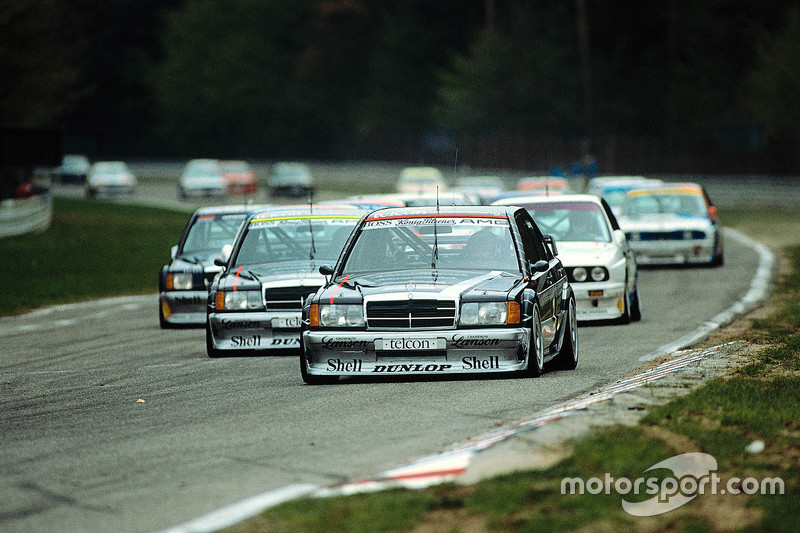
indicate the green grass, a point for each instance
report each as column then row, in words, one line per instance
column 92, row 249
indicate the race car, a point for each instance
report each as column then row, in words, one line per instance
column 183, row 283
column 672, row 224
column 254, row 305
column 600, row 265
column 441, row 290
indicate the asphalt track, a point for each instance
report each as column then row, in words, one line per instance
column 108, row 423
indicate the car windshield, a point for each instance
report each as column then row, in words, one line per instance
column 660, row 203
column 571, row 221
column 210, row 233
column 451, row 242
column 278, row 239
column 110, row 167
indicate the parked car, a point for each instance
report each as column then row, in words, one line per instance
column 420, row 180
column 74, row 168
column 240, row 179
column 183, row 283
column 672, row 224
column 290, row 179
column 109, row 178
column 434, row 291
column 600, row 264
column 202, row 177
column 254, row 304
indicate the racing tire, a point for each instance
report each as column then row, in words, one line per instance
column 310, row 379
column 536, row 345
column 210, row 350
column 162, row 322
column 626, row 312
column 567, row 358
column 636, row 309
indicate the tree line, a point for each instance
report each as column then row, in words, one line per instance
column 407, row 79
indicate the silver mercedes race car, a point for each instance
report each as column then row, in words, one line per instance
column 254, row 305
column 183, row 284
column 434, row 291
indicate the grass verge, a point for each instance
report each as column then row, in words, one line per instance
column 92, row 249
column 758, row 401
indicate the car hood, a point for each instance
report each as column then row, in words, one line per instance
column 434, row 284
column 286, row 274
column 664, row 222
column 587, row 253
column 198, row 261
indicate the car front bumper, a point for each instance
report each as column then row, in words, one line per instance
column 262, row 330
column 463, row 351
column 184, row 307
column 603, row 300
column 673, row 252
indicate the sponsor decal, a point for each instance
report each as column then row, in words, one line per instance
column 474, row 363
column 294, row 341
column 228, row 324
column 388, row 369
column 430, row 220
column 334, row 343
column 331, row 220
column 337, row 365
column 464, row 341
column 284, row 322
column 403, row 344
column 246, row 342
column 190, row 299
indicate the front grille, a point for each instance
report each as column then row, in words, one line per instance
column 411, row 314
column 287, row 298
column 666, row 235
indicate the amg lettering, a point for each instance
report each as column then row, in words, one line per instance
column 473, row 363
column 459, row 341
column 388, row 369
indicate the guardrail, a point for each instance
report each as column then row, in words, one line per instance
column 27, row 215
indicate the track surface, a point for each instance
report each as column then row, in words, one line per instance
column 80, row 452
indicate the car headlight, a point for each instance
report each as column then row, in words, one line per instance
column 484, row 314
column 599, row 273
column 180, row 281
column 238, row 300
column 579, row 274
column 340, row 315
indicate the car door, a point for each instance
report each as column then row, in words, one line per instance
column 549, row 284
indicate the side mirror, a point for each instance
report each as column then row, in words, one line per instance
column 326, row 270
column 540, row 266
column 174, row 252
column 551, row 242
column 620, row 237
column 220, row 262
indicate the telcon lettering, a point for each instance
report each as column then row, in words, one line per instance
column 410, row 344
column 459, row 341
column 246, row 342
column 384, row 369
column 337, row 365
column 473, row 363
column 332, row 343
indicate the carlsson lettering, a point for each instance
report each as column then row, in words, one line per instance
column 337, row 365
column 473, row 363
column 381, row 369
column 332, row 343
column 460, row 341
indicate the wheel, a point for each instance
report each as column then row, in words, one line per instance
column 311, row 379
column 567, row 358
column 161, row 320
column 210, row 350
column 626, row 313
column 536, row 346
column 636, row 310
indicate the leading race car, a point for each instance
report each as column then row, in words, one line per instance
column 254, row 305
column 183, row 284
column 433, row 291
column 672, row 224
column 600, row 265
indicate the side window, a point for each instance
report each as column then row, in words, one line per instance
column 610, row 215
column 531, row 239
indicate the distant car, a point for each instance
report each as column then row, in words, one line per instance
column 544, row 185
column 290, row 179
column 239, row 177
column 202, row 177
column 434, row 291
column 613, row 189
column 183, row 283
column 420, row 180
column 109, row 178
column 254, row 305
column 600, row 264
column 74, row 168
column 415, row 199
column 672, row 224
column 480, row 188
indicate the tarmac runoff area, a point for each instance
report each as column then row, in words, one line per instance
column 538, row 442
